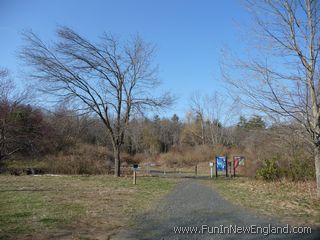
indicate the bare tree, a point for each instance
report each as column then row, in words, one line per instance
column 13, row 134
column 213, row 113
column 282, row 78
column 6, row 90
column 111, row 79
column 197, row 107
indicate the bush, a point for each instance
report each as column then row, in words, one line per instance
column 85, row 159
column 300, row 170
column 269, row 171
column 187, row 156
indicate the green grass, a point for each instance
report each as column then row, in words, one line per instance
column 46, row 205
column 295, row 203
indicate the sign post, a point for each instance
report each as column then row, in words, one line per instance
column 216, row 163
column 135, row 167
column 211, row 169
column 226, row 166
column 232, row 169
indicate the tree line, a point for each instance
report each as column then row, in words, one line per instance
column 114, row 81
column 29, row 132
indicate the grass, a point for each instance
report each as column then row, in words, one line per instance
column 81, row 207
column 294, row 203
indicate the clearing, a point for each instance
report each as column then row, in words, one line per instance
column 78, row 207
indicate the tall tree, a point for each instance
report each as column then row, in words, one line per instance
column 197, row 107
column 21, row 126
column 282, row 77
column 255, row 122
column 111, row 79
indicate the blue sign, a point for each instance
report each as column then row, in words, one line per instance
column 221, row 163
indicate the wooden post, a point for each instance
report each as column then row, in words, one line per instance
column 234, row 168
column 196, row 170
column 134, row 177
column 135, row 167
column 211, row 164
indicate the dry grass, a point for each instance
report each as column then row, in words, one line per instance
column 185, row 157
column 85, row 159
column 77, row 207
column 291, row 202
column 200, row 155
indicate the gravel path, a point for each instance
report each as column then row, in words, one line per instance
column 192, row 204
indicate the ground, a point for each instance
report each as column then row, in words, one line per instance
column 78, row 207
column 292, row 202
column 194, row 204
column 105, row 207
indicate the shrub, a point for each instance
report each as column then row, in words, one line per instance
column 85, row 159
column 300, row 170
column 269, row 171
column 187, row 156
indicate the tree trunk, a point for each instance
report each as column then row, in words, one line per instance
column 317, row 165
column 202, row 131
column 116, row 154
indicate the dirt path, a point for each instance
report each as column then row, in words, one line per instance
column 192, row 204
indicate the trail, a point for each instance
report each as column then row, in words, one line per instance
column 192, row 204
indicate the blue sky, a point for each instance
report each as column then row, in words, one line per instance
column 189, row 34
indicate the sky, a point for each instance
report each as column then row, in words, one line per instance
column 189, row 35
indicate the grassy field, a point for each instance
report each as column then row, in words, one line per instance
column 82, row 207
column 294, row 203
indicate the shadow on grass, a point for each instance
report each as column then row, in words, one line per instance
column 27, row 190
